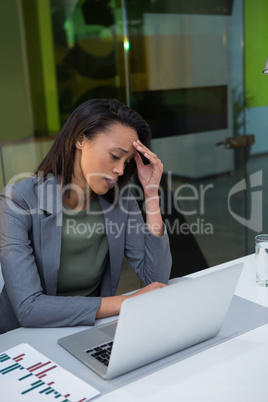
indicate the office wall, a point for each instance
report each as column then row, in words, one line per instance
column 15, row 105
column 37, row 15
column 256, row 83
column 20, row 158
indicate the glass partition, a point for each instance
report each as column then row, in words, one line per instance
column 88, row 45
column 187, row 80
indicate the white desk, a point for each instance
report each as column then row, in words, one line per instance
column 233, row 371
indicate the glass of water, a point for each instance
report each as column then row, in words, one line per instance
column 261, row 254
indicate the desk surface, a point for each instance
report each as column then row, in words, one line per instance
column 235, row 370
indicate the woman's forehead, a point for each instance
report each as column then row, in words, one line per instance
column 120, row 137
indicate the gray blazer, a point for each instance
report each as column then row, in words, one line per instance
column 30, row 245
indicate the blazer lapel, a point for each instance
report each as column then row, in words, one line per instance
column 50, row 201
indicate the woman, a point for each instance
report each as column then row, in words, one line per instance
column 64, row 231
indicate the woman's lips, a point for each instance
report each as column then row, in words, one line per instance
column 110, row 183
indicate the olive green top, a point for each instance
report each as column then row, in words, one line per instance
column 84, row 251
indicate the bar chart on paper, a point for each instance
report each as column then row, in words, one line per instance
column 27, row 375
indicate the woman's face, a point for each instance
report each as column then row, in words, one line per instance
column 100, row 162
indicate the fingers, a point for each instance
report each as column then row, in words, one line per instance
column 151, row 287
column 138, row 159
column 156, row 285
column 152, row 157
column 144, row 150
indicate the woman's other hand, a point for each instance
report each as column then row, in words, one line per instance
column 112, row 305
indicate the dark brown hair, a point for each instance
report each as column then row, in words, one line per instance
column 90, row 118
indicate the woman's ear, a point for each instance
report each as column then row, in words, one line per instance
column 80, row 142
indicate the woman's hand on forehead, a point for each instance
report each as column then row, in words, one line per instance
column 149, row 175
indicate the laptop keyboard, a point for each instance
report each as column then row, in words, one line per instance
column 102, row 352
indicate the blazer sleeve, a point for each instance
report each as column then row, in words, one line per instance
column 23, row 284
column 149, row 255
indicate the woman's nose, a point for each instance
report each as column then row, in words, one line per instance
column 119, row 169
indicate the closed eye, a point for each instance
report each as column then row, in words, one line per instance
column 114, row 157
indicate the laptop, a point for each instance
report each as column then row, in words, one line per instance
column 157, row 324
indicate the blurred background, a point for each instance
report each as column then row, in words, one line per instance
column 191, row 68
